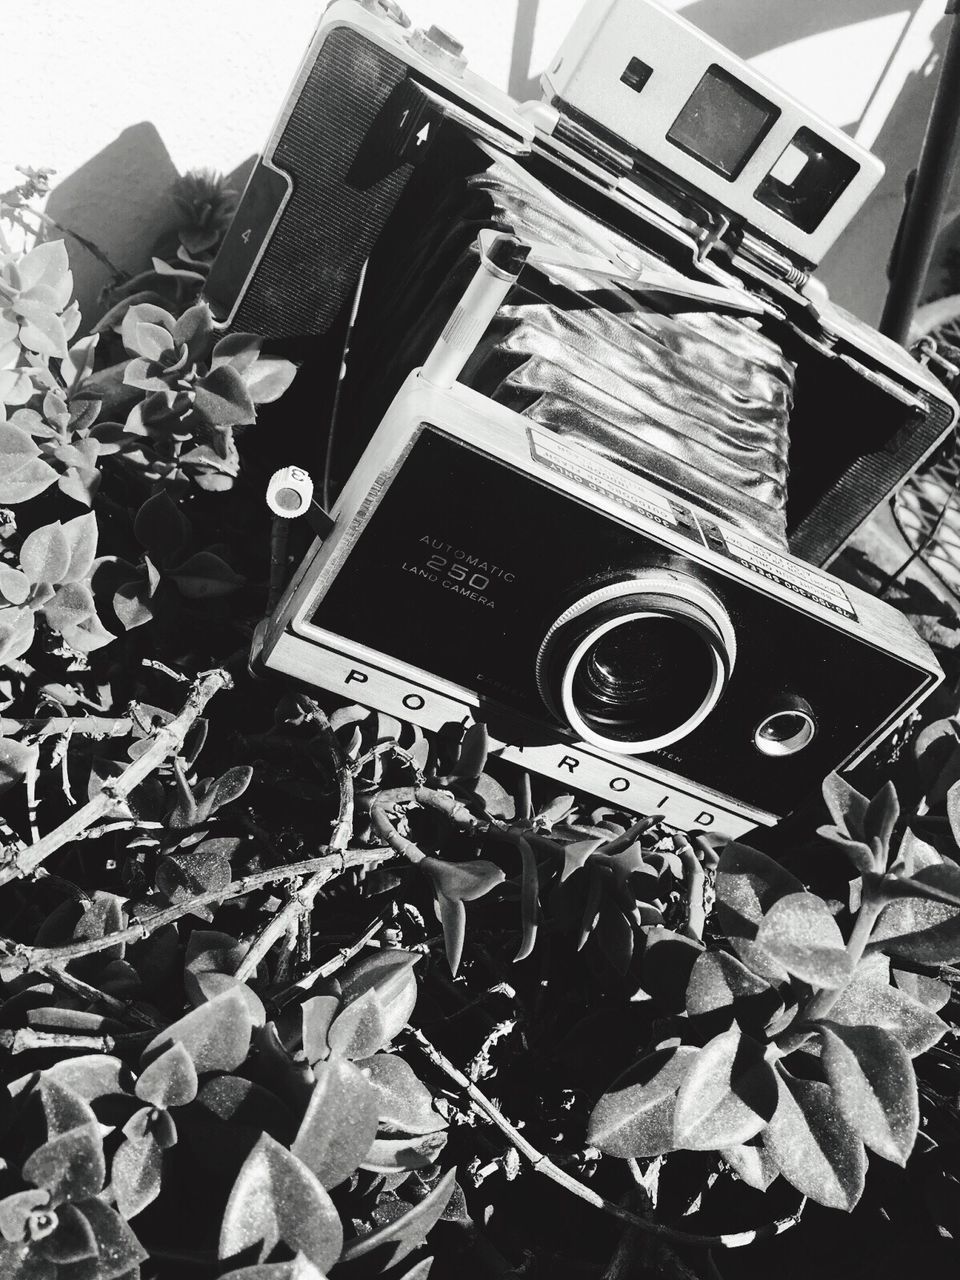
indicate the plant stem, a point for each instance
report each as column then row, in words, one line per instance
column 543, row 1164
column 166, row 740
column 301, row 901
column 332, row 862
column 334, row 964
column 38, row 727
column 821, row 1002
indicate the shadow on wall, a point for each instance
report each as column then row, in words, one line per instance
column 137, row 166
column 856, row 267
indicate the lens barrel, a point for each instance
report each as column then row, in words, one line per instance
column 636, row 665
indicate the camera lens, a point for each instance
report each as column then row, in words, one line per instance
column 787, row 730
column 638, row 664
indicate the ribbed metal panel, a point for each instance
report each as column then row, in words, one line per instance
column 344, row 191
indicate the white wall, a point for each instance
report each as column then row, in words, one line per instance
column 120, row 95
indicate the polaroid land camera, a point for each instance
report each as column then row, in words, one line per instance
column 584, row 354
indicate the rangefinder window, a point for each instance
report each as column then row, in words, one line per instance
column 807, row 180
column 723, row 123
column 636, row 74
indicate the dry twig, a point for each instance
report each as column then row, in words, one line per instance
column 165, row 741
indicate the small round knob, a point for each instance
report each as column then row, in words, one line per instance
column 289, row 492
column 387, row 9
column 445, row 41
column 440, row 47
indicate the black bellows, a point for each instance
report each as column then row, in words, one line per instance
column 696, row 400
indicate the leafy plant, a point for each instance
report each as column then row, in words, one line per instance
column 289, row 990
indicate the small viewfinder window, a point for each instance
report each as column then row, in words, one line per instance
column 723, row 123
column 807, row 180
column 636, row 74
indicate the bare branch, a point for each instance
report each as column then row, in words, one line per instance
column 329, row 864
column 543, row 1164
column 301, row 901
column 165, row 741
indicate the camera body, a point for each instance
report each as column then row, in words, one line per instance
column 476, row 557
column 586, row 354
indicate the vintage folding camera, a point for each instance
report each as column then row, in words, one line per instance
column 599, row 428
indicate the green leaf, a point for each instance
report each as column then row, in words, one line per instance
column 81, row 536
column 277, row 1200
column 299, row 1268
column 880, row 820
column 170, row 1080
column 63, row 1107
column 748, row 884
column 45, row 264
column 390, row 974
column 317, row 1014
column 237, row 349
column 404, row 1102
column 395, row 1155
column 216, row 1035
column 152, row 341
column 228, row 787
column 131, row 604
column 813, row 1146
column 668, row 961
column 69, row 1166
column 17, row 759
column 873, row 1082
column 15, row 1211
column 452, row 915
column 206, row 575
column 340, row 1122
column 17, row 446
column 392, row 1243
column 267, row 379
column 474, row 747
column 869, row 1000
column 181, row 876
column 634, row 1117
column 42, row 330
column 16, row 633
column 718, row 981
column 162, row 528
column 135, row 1174
column 71, row 605
column 193, row 328
column 139, row 314
column 223, row 399
column 45, row 554
column 752, row 1164
column 799, row 933
column 727, row 1095
column 846, row 806
column 210, row 953
column 120, row 1251
column 921, row 929
column 72, row 1241
column 14, row 585
column 358, row 1030
column 92, row 1075
column 87, row 635
column 930, row 992
column 24, row 481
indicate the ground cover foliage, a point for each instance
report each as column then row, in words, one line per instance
column 291, row 990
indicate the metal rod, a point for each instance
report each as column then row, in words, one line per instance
column 925, row 206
